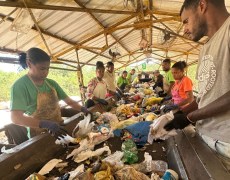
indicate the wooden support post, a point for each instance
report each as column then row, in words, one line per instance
column 80, row 79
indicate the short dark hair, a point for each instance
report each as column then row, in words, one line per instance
column 99, row 65
column 181, row 65
column 189, row 4
column 167, row 60
column 194, row 4
column 124, row 72
column 109, row 64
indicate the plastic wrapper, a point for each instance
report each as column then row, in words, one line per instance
column 83, row 127
column 131, row 174
column 36, row 176
column 170, row 174
column 115, row 159
column 130, row 151
column 109, row 118
column 147, row 166
column 157, row 130
column 76, row 172
column 49, row 166
column 148, row 101
column 88, row 153
column 66, row 139
column 125, row 123
column 104, row 174
column 155, row 176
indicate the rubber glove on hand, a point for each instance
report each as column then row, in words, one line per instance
column 53, row 127
column 170, row 107
column 166, row 99
column 180, row 121
column 102, row 101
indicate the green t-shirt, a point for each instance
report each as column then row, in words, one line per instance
column 121, row 81
column 24, row 94
column 129, row 78
column 169, row 77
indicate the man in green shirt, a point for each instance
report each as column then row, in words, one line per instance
column 122, row 80
column 168, row 78
column 130, row 76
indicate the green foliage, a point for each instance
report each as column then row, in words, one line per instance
column 68, row 80
column 6, row 81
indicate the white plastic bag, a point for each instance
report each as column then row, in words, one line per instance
column 157, row 130
column 83, row 127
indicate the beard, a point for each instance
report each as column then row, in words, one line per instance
column 200, row 30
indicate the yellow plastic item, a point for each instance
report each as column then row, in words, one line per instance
column 152, row 100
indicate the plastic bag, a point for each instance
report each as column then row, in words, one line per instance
column 131, row 174
column 83, row 127
column 115, row 159
column 157, row 130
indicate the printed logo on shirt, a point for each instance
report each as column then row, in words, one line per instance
column 206, row 75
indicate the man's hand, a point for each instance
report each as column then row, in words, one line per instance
column 53, row 127
column 170, row 107
column 85, row 110
column 180, row 121
column 102, row 101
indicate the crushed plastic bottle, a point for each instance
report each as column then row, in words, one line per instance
column 130, row 151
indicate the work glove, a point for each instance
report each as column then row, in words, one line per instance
column 166, row 98
column 169, row 107
column 118, row 96
column 54, row 128
column 85, row 110
column 180, row 121
column 102, row 101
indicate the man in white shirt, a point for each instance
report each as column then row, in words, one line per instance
column 109, row 78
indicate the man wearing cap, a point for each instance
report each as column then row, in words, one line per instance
column 109, row 78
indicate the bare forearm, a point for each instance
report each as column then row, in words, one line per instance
column 218, row 106
column 188, row 100
column 23, row 120
column 193, row 106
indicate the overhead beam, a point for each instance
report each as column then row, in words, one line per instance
column 100, row 24
column 89, row 49
column 62, row 8
column 139, row 25
column 109, row 46
column 70, row 61
column 92, row 37
column 165, row 13
column 129, row 62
